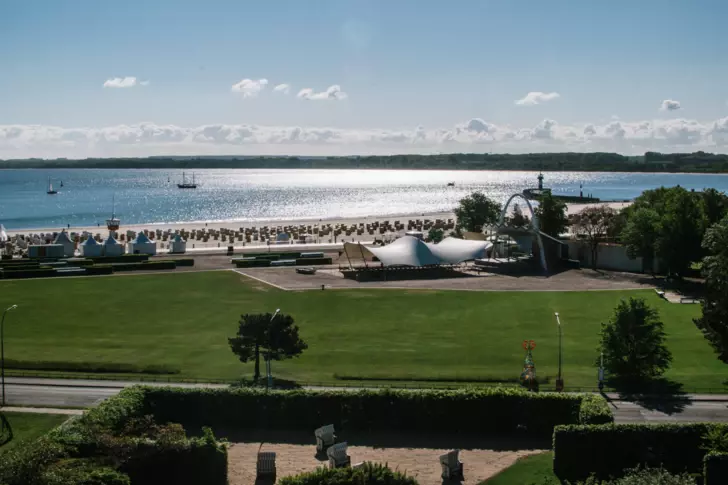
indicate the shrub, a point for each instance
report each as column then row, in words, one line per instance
column 594, row 409
column 82, row 472
column 145, row 265
column 489, row 410
column 91, row 367
column 28, row 273
column 716, row 469
column 608, row 450
column 368, row 474
column 253, row 263
column 23, row 464
column 98, row 269
column 124, row 258
column 183, row 262
column 645, row 476
column 310, row 261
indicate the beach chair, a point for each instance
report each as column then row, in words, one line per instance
column 452, row 467
column 266, row 464
column 325, row 437
column 337, row 456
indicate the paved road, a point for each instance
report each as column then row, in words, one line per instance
column 86, row 393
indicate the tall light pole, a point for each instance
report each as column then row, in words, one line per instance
column 2, row 349
column 268, row 363
column 559, row 379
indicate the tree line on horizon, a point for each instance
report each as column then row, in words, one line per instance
column 570, row 161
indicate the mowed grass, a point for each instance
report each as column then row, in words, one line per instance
column 529, row 470
column 183, row 320
column 29, row 426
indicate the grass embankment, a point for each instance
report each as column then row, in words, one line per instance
column 529, row 470
column 181, row 321
column 29, row 426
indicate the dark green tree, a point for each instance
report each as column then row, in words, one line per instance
column 714, row 321
column 640, row 236
column 551, row 215
column 633, row 342
column 681, row 231
column 435, row 235
column 277, row 338
column 475, row 211
column 517, row 219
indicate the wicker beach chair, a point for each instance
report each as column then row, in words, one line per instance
column 325, row 437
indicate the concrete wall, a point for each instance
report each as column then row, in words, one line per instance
column 609, row 256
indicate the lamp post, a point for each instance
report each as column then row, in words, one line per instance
column 2, row 349
column 268, row 362
column 559, row 379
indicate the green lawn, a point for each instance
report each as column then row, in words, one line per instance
column 183, row 320
column 529, row 470
column 29, row 426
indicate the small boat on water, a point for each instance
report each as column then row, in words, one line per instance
column 61, row 183
column 185, row 185
column 50, row 190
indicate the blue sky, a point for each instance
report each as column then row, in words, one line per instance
column 415, row 75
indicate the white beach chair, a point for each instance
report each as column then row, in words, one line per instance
column 452, row 467
column 266, row 464
column 337, row 456
column 325, row 437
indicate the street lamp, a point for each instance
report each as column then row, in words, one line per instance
column 559, row 379
column 268, row 362
column 2, row 349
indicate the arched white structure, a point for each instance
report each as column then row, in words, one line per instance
column 534, row 226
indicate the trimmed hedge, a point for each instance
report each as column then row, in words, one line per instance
column 182, row 262
column 27, row 273
column 124, row 258
column 607, row 450
column 716, row 469
column 487, row 410
column 309, row 261
column 368, row 474
column 594, row 409
column 90, row 367
column 145, row 265
column 254, row 263
column 98, row 269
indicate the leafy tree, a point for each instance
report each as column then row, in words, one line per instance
column 714, row 321
column 633, row 342
column 715, row 205
column 476, row 211
column 593, row 222
column 276, row 337
column 517, row 219
column 435, row 235
column 551, row 215
column 681, row 231
column 640, row 236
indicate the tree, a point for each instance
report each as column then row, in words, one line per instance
column 633, row 342
column 517, row 219
column 715, row 206
column 593, row 222
column 276, row 337
column 435, row 235
column 640, row 236
column 681, row 231
column 551, row 215
column 475, row 211
column 714, row 321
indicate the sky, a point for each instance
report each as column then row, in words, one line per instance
column 335, row 77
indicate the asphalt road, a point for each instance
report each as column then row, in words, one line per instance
column 86, row 393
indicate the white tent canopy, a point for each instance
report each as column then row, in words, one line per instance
column 69, row 248
column 411, row 251
column 3, row 234
column 178, row 245
column 112, row 247
column 142, row 245
column 90, row 247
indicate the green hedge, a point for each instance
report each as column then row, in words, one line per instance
column 182, row 262
column 368, row 474
column 255, row 263
column 594, row 409
column 607, row 450
column 28, row 273
column 124, row 258
column 90, row 367
column 487, row 410
column 145, row 265
column 310, row 261
column 716, row 469
column 98, row 269
column 81, row 262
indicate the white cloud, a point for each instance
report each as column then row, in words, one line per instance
column 283, row 88
column 474, row 135
column 333, row 92
column 537, row 97
column 124, row 82
column 670, row 105
column 250, row 88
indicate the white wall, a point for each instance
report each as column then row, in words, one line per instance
column 609, row 256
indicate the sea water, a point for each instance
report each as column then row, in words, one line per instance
column 152, row 196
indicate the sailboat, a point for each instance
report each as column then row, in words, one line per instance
column 50, row 188
column 61, row 183
column 185, row 185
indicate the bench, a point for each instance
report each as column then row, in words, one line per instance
column 660, row 293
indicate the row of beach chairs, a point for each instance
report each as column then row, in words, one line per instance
column 452, row 467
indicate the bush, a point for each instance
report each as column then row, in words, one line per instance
column 82, row 472
column 99, row 269
column 124, row 258
column 368, row 474
column 594, row 409
column 23, row 464
column 183, row 262
column 144, row 265
column 645, row 476
column 28, row 273
column 253, row 263
column 716, row 469
column 310, row 261
column 91, row 367
column 487, row 410
column 608, row 450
